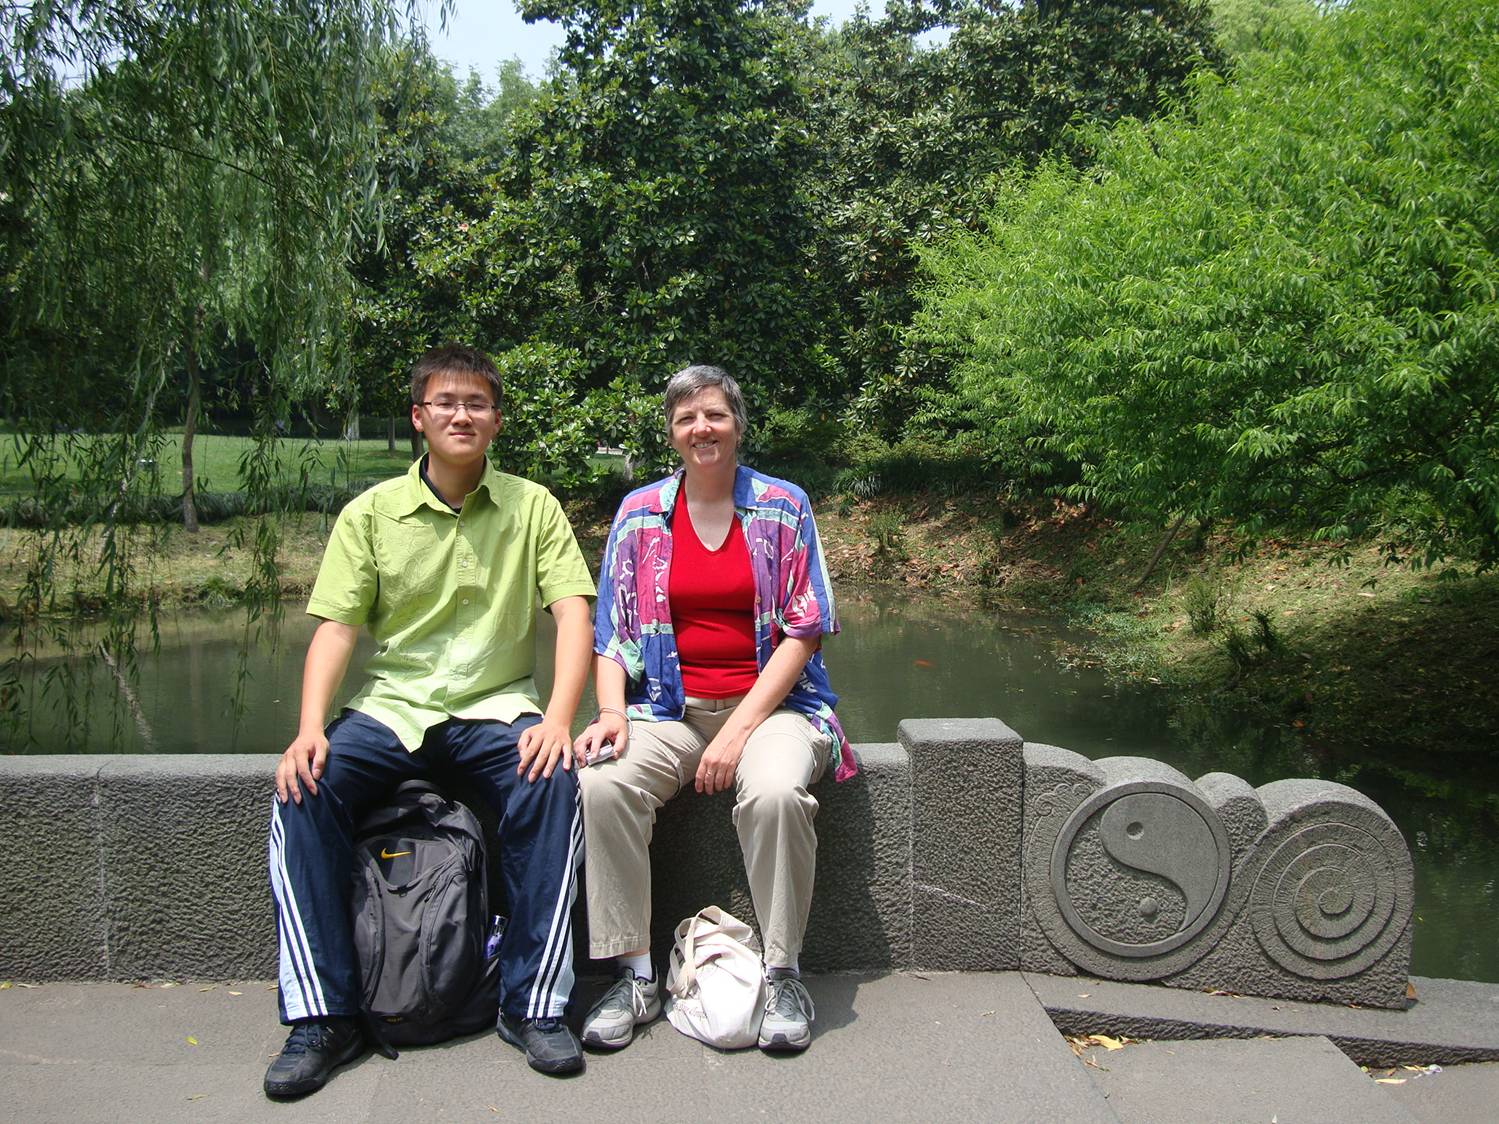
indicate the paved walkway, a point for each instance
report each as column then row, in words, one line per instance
column 921, row 1047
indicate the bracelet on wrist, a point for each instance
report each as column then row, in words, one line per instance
column 629, row 725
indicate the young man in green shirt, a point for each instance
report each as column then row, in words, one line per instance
column 444, row 566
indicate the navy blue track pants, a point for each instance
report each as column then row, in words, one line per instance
column 312, row 859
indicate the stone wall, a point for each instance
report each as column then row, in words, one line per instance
column 960, row 847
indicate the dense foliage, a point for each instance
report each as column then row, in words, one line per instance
column 1277, row 306
column 175, row 178
column 913, row 138
column 715, row 180
column 439, row 144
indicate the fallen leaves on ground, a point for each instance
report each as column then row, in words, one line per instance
column 1400, row 1074
column 1080, row 1043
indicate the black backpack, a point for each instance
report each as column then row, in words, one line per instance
column 421, row 919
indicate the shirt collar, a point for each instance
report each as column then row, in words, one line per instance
column 417, row 494
column 671, row 487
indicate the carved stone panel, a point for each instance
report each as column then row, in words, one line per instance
column 1330, row 884
column 1134, row 872
column 1129, row 875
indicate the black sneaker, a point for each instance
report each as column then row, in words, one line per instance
column 549, row 1045
column 313, row 1050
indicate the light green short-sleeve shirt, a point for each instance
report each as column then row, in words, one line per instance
column 450, row 597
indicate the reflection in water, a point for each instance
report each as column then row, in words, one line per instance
column 894, row 659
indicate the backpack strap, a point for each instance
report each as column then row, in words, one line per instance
column 416, row 786
column 375, row 1034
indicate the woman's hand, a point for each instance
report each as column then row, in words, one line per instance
column 608, row 728
column 720, row 762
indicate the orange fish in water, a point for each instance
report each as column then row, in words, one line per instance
column 922, row 663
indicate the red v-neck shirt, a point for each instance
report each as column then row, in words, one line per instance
column 712, row 595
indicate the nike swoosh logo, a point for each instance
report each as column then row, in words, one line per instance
column 384, row 854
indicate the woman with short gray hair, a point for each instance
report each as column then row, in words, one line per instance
column 713, row 601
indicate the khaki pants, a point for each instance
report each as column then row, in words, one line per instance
column 773, row 814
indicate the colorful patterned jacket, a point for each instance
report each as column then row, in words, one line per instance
column 793, row 597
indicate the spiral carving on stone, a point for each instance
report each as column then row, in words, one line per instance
column 1330, row 898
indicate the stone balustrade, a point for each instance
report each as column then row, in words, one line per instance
column 960, row 847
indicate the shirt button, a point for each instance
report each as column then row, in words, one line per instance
column 465, row 601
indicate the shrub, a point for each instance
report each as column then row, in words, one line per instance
column 1202, row 599
column 887, row 530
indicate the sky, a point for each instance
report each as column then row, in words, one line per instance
column 483, row 33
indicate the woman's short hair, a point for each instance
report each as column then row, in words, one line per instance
column 702, row 376
column 455, row 359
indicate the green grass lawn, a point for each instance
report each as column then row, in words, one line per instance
column 216, row 462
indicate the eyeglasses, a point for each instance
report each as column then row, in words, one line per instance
column 447, row 408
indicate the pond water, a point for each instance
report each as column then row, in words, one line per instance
column 896, row 658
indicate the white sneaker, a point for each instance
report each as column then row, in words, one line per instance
column 789, row 1012
column 627, row 1004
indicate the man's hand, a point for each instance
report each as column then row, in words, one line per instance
column 542, row 746
column 608, row 728
column 328, row 656
column 720, row 762
column 304, row 759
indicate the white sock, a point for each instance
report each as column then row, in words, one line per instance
column 641, row 965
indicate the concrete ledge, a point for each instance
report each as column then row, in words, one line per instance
column 966, row 791
column 182, row 859
column 960, row 848
column 134, row 866
column 1451, row 1021
column 54, row 925
column 1260, row 1079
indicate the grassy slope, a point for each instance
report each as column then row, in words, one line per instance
column 1358, row 653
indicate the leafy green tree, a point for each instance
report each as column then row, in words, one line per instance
column 1277, row 307
column 427, row 277
column 916, row 135
column 482, row 122
column 438, row 142
column 1248, row 26
column 654, row 212
column 170, row 174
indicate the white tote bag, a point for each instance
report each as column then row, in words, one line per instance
column 716, row 980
